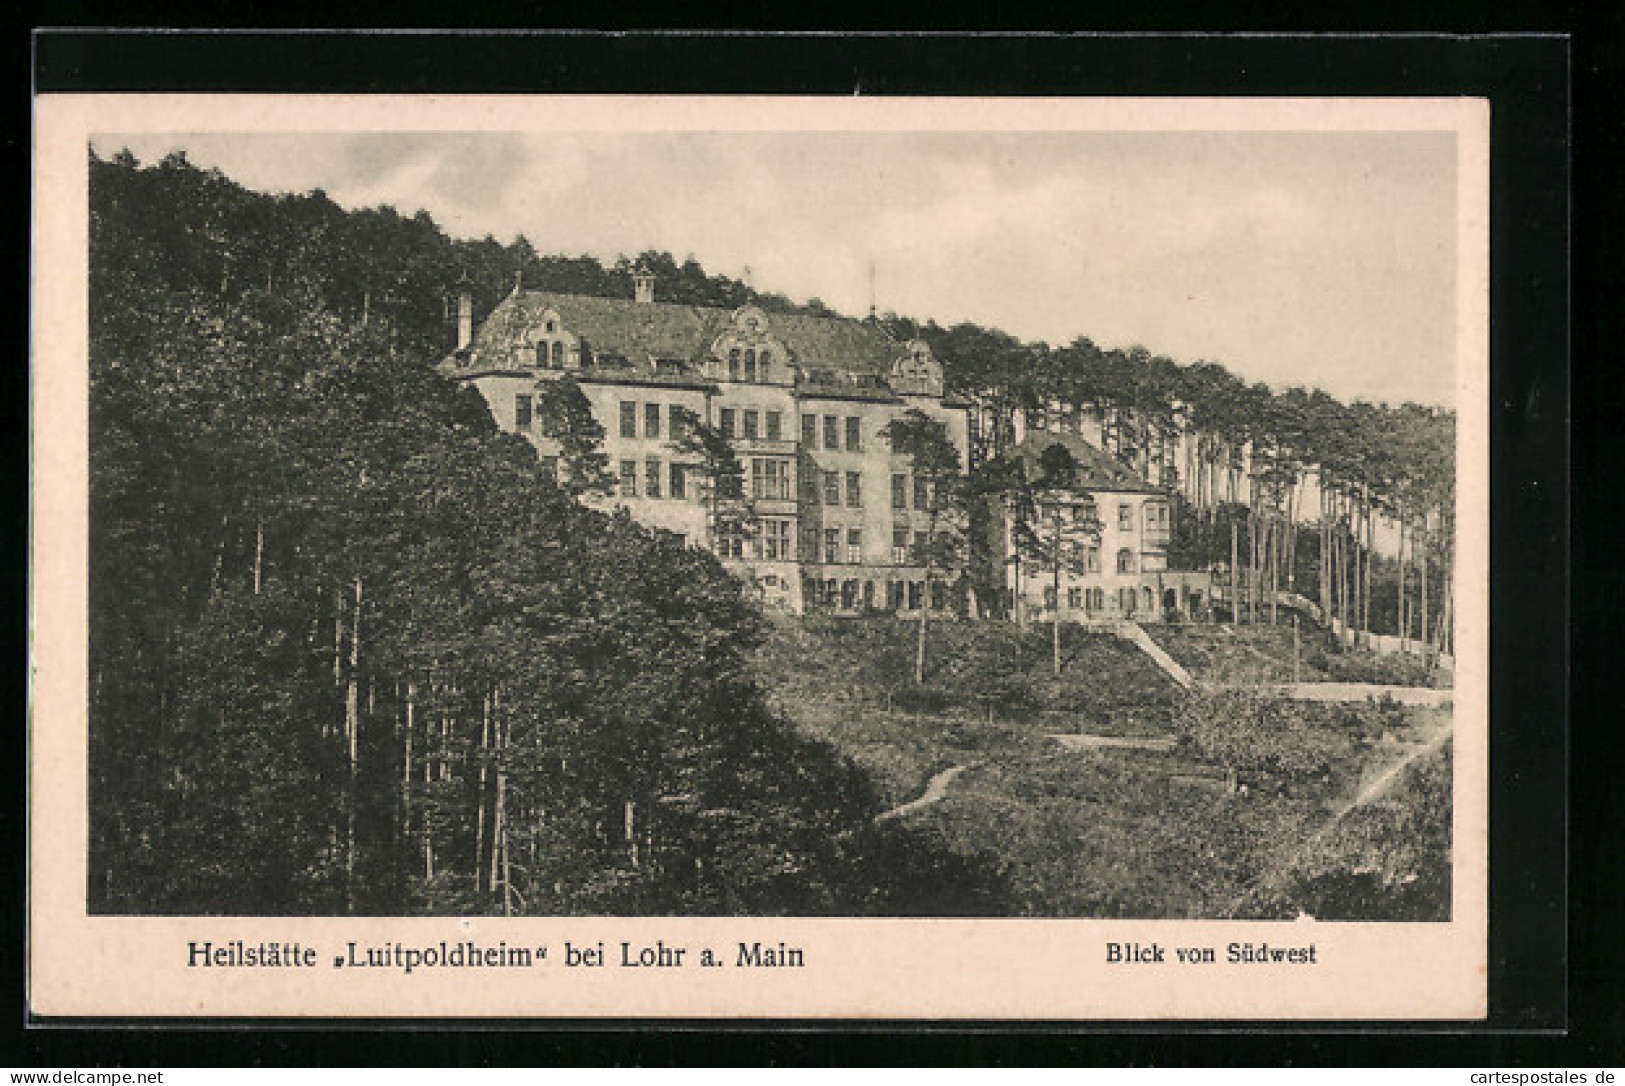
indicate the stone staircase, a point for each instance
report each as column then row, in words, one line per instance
column 1132, row 632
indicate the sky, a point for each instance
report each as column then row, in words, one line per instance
column 1316, row 259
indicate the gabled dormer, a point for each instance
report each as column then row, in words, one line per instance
column 916, row 372
column 747, row 351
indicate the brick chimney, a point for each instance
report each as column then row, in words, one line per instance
column 643, row 285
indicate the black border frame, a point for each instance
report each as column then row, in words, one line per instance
column 1525, row 77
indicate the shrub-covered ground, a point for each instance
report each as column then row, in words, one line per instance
column 1238, row 655
column 1240, row 817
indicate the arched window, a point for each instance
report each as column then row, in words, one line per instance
column 558, row 354
column 750, row 365
column 1125, row 561
column 762, row 359
column 733, row 364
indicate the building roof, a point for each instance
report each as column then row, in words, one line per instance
column 831, row 354
column 1097, row 470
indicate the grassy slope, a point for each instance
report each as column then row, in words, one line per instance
column 1080, row 833
column 1263, row 654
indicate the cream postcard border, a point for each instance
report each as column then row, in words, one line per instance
column 80, row 965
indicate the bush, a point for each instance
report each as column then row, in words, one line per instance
column 1258, row 738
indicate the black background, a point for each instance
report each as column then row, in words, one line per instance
column 1555, row 964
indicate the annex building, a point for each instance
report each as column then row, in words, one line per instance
column 804, row 401
column 1120, row 571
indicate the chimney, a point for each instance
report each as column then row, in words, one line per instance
column 465, row 313
column 643, row 285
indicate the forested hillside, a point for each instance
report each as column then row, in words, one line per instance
column 351, row 652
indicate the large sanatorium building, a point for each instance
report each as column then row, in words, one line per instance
column 805, row 402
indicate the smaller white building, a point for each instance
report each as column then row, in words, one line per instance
column 1119, row 572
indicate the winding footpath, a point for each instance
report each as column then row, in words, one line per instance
column 1379, row 786
column 935, row 789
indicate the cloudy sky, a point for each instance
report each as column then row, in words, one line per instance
column 1295, row 258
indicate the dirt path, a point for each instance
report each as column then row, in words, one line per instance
column 1379, row 786
column 935, row 789
column 1423, row 696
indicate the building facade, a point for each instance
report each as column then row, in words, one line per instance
column 804, row 401
column 1119, row 570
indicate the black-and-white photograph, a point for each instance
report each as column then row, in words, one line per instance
column 1049, row 524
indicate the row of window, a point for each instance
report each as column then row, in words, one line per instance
column 1094, row 599
column 900, row 595
column 832, row 432
column 675, row 475
column 751, row 424
column 676, row 415
column 836, row 546
column 749, row 365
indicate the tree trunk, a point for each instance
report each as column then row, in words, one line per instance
column 479, row 816
column 1235, row 572
column 352, row 724
column 259, row 551
column 1055, row 623
column 1422, row 562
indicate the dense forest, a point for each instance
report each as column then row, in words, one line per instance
column 352, row 653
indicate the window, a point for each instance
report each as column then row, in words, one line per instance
column 1148, row 599
column 733, row 364
column 727, row 422
column 854, row 545
column 920, row 546
column 868, row 595
column 832, row 488
column 832, row 432
column 629, row 419
column 753, row 423
column 1074, row 598
column 916, row 594
column 1049, row 597
column 854, row 489
column 775, row 425
column 809, row 431
column 651, row 477
column 1096, row 598
column 522, row 411
column 776, row 540
column 678, row 421
column 679, row 482
column 750, row 365
column 1091, row 559
column 1125, row 561
column 854, row 434
column 558, row 354
column 651, row 420
column 731, row 546
column 832, row 545
column 762, row 360
column 849, row 594
column 922, row 493
column 894, row 595
column 899, row 546
column 1125, row 517
column 629, row 478
column 770, row 479
column 899, row 491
